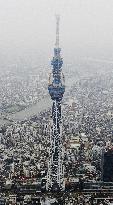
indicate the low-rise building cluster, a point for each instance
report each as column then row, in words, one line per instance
column 21, row 88
column 87, row 132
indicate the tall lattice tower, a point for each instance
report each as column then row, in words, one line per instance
column 56, row 87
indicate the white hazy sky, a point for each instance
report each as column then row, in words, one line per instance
column 27, row 27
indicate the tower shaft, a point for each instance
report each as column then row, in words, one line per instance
column 56, row 87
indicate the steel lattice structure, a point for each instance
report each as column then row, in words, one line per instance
column 56, row 87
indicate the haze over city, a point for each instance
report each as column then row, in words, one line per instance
column 28, row 28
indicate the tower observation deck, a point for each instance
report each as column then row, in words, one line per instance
column 56, row 88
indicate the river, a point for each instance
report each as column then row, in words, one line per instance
column 34, row 109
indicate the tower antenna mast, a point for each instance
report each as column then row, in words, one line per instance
column 57, row 31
